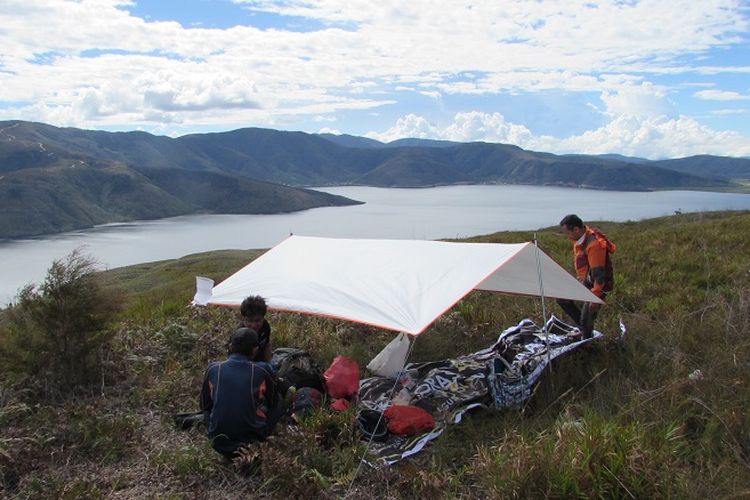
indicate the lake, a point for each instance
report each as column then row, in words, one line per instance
column 432, row 213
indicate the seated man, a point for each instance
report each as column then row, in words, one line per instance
column 240, row 396
column 253, row 311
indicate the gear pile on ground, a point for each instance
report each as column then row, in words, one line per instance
column 500, row 376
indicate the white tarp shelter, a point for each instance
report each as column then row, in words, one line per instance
column 401, row 285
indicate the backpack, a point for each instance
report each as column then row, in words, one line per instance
column 297, row 368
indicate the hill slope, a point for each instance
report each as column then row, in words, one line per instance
column 710, row 166
column 63, row 198
column 56, row 179
column 297, row 158
column 658, row 413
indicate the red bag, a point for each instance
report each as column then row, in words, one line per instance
column 342, row 378
column 406, row 420
column 340, row 404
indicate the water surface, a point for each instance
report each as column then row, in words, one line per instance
column 433, row 213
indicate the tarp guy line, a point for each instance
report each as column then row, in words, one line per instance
column 412, row 341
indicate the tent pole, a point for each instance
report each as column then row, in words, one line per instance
column 541, row 295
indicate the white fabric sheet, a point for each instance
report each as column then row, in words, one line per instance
column 401, row 285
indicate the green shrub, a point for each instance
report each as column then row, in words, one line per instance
column 56, row 331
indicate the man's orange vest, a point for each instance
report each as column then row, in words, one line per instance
column 592, row 262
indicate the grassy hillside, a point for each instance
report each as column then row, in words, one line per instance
column 64, row 198
column 52, row 200
column 56, row 179
column 732, row 169
column 660, row 413
column 300, row 159
column 60, row 179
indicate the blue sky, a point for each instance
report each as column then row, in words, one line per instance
column 650, row 78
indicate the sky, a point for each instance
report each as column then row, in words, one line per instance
column 651, row 78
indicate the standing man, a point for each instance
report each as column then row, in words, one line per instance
column 253, row 311
column 240, row 396
column 591, row 257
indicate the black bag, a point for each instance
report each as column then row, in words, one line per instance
column 373, row 425
column 297, row 368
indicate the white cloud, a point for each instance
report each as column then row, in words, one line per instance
column 721, row 95
column 466, row 127
column 652, row 137
column 656, row 137
column 490, row 127
column 411, row 126
column 432, row 94
column 554, row 34
column 643, row 100
column 641, row 121
column 730, row 111
column 171, row 91
column 93, row 64
column 715, row 70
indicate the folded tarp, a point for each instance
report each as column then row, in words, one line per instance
column 401, row 285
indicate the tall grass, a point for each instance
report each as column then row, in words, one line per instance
column 658, row 413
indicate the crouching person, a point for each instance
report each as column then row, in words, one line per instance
column 240, row 396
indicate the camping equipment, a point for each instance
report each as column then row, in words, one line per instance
column 342, row 377
column 400, row 285
column 450, row 388
column 372, row 424
column 305, row 401
column 407, row 420
column 389, row 361
column 297, row 368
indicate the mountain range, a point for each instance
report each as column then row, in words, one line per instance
column 57, row 179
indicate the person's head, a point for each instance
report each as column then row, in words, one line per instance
column 253, row 311
column 243, row 341
column 572, row 227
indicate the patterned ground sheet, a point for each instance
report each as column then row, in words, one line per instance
column 500, row 376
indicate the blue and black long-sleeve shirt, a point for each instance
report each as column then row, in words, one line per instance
column 238, row 393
